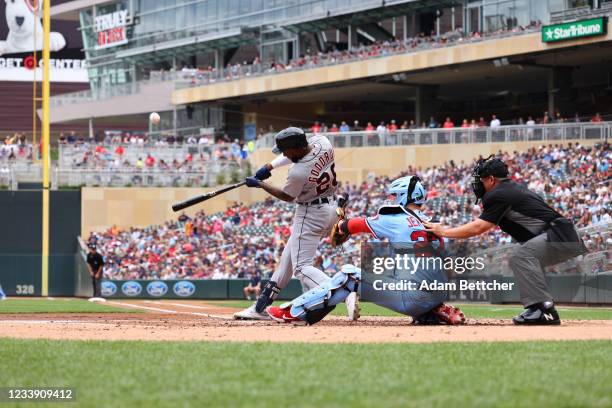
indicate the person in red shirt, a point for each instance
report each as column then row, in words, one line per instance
column 596, row 118
column 119, row 151
column 369, row 127
column 316, row 128
column 448, row 124
column 482, row 122
column 392, row 126
column 465, row 124
column 333, row 128
column 149, row 161
column 99, row 149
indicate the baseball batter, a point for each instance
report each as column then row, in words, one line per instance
column 311, row 183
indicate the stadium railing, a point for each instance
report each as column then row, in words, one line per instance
column 437, row 136
column 582, row 12
column 215, row 173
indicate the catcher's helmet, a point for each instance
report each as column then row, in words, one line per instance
column 289, row 138
column 408, row 190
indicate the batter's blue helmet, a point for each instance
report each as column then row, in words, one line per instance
column 408, row 190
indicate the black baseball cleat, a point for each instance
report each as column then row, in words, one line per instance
column 543, row 314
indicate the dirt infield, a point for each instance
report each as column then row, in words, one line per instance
column 198, row 321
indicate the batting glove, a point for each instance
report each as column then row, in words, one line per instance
column 263, row 173
column 252, row 182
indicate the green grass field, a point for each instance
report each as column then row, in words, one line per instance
column 475, row 311
column 147, row 374
column 211, row 374
column 59, row 305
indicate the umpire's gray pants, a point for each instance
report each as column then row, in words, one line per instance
column 529, row 260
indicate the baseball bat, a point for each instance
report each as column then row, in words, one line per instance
column 198, row 199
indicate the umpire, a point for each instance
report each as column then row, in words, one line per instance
column 545, row 236
column 95, row 262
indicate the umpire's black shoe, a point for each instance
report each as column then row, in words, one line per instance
column 544, row 314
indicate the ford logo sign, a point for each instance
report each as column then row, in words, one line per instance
column 108, row 288
column 131, row 288
column 157, row 288
column 184, row 288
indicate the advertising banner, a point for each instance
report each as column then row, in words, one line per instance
column 111, row 29
column 21, row 43
column 575, row 29
column 185, row 289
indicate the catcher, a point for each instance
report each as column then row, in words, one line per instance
column 401, row 222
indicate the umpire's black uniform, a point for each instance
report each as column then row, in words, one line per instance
column 546, row 237
column 96, row 263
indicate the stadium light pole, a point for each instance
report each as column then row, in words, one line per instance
column 45, row 148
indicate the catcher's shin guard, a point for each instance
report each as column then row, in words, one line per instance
column 317, row 303
column 267, row 296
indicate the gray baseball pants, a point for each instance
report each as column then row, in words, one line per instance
column 310, row 224
column 529, row 260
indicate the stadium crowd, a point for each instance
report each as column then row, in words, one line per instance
column 157, row 157
column 383, row 128
column 311, row 58
column 248, row 239
column 15, row 147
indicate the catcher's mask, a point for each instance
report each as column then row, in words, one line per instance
column 491, row 166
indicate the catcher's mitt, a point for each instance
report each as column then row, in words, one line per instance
column 336, row 236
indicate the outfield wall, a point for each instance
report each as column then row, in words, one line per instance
column 21, row 241
column 138, row 207
column 575, row 288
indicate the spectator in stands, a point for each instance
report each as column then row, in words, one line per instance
column 356, row 126
column 344, row 127
column 432, row 123
column 495, row 123
column 482, row 122
column 316, row 128
column 392, row 126
column 448, row 123
column 596, row 118
column 149, row 161
column 334, row 128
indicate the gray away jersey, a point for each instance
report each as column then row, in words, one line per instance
column 314, row 175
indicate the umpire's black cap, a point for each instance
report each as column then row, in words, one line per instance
column 289, row 138
column 491, row 167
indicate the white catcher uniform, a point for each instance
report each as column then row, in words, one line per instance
column 312, row 181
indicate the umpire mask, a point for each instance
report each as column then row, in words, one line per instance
column 487, row 167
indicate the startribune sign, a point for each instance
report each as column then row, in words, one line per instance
column 575, row 29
